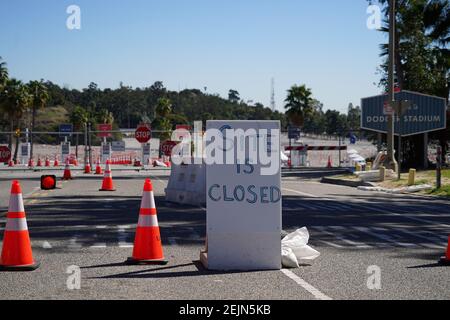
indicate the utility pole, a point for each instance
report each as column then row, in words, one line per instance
column 390, row 162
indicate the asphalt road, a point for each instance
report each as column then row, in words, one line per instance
column 76, row 225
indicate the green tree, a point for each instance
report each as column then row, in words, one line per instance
column 16, row 99
column 79, row 117
column 105, row 117
column 3, row 74
column 233, row 96
column 422, row 57
column 299, row 104
column 354, row 117
column 39, row 97
column 162, row 120
column 10, row 103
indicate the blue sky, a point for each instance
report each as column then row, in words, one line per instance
column 238, row 44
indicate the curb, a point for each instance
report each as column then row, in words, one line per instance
column 347, row 183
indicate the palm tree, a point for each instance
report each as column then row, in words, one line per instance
column 162, row 120
column 299, row 104
column 427, row 21
column 16, row 100
column 105, row 116
column 3, row 74
column 39, row 98
column 79, row 117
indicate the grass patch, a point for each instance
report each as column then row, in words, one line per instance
column 444, row 191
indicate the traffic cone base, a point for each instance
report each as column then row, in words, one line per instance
column 30, row 267
column 132, row 261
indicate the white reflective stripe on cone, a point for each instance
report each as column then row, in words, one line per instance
column 16, row 203
column 148, row 201
column 148, row 221
column 16, row 224
column 108, row 174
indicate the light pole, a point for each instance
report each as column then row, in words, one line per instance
column 390, row 162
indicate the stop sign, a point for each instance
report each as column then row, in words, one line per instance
column 5, row 154
column 143, row 134
column 167, row 146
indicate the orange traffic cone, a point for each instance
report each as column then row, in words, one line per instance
column 107, row 184
column 87, row 168
column 446, row 260
column 11, row 163
column 31, row 163
column 39, row 163
column 67, row 174
column 16, row 252
column 147, row 242
column 329, row 165
column 47, row 162
column 98, row 168
column 56, row 164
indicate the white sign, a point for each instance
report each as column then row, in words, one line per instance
column 106, row 152
column 25, row 152
column 244, row 206
column 65, row 150
column 145, row 153
column 154, row 148
column 118, row 146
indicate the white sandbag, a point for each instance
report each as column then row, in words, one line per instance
column 288, row 258
column 296, row 244
column 160, row 164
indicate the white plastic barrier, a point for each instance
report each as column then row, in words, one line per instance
column 187, row 184
column 195, row 187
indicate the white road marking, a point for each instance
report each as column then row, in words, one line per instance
column 376, row 235
column 401, row 244
column 302, row 193
column 358, row 244
column 305, row 285
column 46, row 245
column 433, row 245
column 98, row 246
column 73, row 242
column 122, row 237
column 331, row 244
column 406, row 216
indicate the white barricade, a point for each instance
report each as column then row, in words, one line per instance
column 196, row 185
column 187, row 184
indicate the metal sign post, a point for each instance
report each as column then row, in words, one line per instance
column 439, row 167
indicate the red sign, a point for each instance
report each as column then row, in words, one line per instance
column 388, row 110
column 184, row 126
column 167, row 146
column 184, row 131
column 143, row 134
column 5, row 154
column 105, row 130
